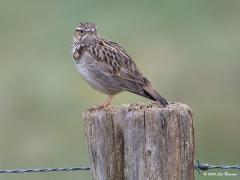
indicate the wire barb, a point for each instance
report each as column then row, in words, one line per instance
column 205, row 167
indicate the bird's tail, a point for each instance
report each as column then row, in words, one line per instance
column 154, row 95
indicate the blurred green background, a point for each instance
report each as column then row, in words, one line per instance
column 189, row 50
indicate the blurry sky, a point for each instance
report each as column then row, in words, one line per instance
column 189, row 50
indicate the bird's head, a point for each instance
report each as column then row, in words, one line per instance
column 85, row 33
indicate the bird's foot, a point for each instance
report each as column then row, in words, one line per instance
column 106, row 104
column 107, row 108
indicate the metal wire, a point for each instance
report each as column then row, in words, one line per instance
column 44, row 170
column 198, row 166
column 205, row 167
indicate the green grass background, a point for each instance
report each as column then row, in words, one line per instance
column 189, row 50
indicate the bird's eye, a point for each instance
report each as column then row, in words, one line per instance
column 80, row 31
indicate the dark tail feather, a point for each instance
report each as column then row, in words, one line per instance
column 154, row 95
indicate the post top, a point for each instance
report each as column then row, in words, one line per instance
column 140, row 107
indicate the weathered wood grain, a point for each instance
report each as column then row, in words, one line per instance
column 141, row 142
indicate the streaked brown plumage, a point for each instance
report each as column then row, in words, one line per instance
column 107, row 67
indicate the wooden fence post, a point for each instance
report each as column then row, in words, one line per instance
column 141, row 142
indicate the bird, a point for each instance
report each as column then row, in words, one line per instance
column 107, row 67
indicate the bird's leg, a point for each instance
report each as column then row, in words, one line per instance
column 108, row 101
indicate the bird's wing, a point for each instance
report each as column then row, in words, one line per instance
column 111, row 58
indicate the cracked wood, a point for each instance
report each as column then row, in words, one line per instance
column 141, row 142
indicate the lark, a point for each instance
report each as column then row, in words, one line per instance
column 107, row 67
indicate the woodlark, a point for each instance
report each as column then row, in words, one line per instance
column 107, row 67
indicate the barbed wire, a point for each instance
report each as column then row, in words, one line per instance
column 9, row 171
column 205, row 167
column 198, row 166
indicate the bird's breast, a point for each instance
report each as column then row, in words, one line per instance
column 94, row 76
column 83, row 67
